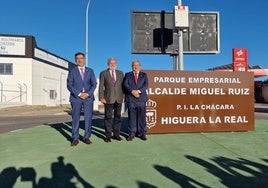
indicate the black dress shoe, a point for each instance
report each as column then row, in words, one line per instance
column 107, row 139
column 130, row 138
column 144, row 137
column 87, row 141
column 74, row 143
column 117, row 138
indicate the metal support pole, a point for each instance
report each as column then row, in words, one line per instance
column 88, row 3
column 179, row 61
column 175, row 62
column 180, row 58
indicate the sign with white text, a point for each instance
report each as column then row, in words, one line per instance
column 12, row 45
column 199, row 101
column 50, row 58
column 240, row 59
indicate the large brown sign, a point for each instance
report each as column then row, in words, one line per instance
column 195, row 101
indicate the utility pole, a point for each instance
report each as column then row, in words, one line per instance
column 178, row 59
column 88, row 3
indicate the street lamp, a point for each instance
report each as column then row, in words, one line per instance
column 88, row 3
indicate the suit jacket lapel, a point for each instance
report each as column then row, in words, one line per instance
column 140, row 78
column 109, row 76
column 77, row 72
column 117, row 76
column 86, row 73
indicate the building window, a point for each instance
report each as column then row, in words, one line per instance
column 6, row 68
column 52, row 94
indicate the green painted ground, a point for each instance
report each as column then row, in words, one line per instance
column 42, row 156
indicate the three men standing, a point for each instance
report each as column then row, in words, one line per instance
column 113, row 88
column 112, row 96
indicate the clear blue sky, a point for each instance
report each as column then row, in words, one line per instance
column 59, row 27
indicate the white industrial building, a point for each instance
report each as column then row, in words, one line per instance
column 30, row 75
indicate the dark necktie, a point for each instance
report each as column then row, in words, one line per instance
column 113, row 77
column 136, row 77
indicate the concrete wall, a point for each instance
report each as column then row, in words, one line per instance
column 35, row 82
column 17, row 88
column 49, row 83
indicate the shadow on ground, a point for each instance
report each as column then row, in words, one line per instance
column 65, row 128
column 178, row 178
column 235, row 173
column 62, row 174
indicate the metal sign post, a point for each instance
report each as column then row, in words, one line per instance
column 179, row 57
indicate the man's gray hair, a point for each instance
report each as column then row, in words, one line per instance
column 110, row 59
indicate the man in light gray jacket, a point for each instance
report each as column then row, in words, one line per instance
column 112, row 96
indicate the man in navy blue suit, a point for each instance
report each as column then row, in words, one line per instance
column 135, row 84
column 81, row 83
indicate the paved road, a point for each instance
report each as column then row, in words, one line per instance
column 261, row 111
column 16, row 118
column 24, row 117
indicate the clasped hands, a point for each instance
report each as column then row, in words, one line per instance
column 103, row 101
column 135, row 93
column 83, row 95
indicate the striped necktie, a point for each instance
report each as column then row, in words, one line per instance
column 113, row 77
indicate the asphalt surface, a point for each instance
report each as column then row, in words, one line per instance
column 16, row 118
column 261, row 111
